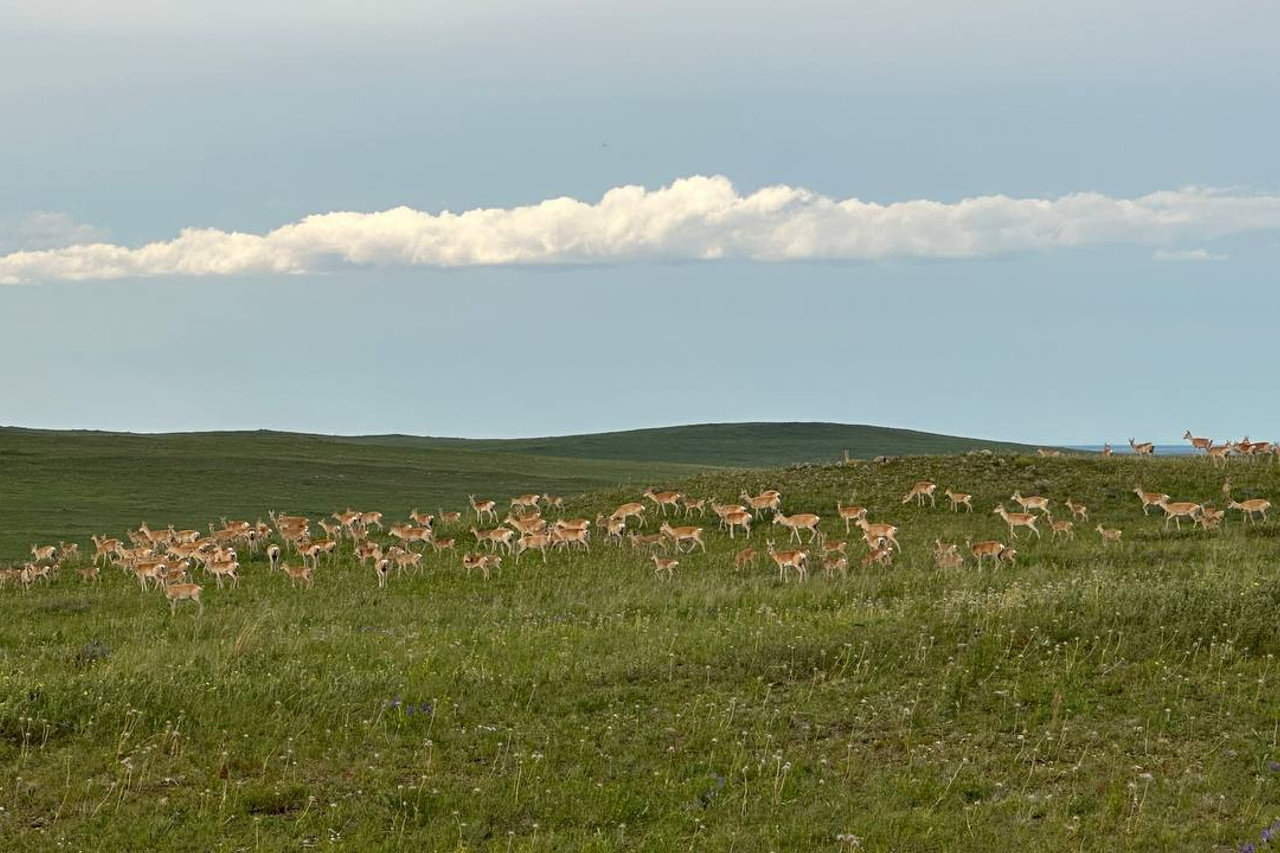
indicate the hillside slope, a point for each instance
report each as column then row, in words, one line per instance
column 743, row 445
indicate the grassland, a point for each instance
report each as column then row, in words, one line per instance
column 1088, row 698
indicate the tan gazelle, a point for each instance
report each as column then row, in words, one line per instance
column 921, row 490
column 959, row 499
column 1016, row 520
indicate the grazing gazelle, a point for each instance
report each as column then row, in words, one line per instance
column 959, row 499
column 799, row 521
column 1109, row 534
column 947, row 555
column 1147, row 448
column 850, row 514
column 484, row 509
column 833, row 563
column 1251, row 507
column 1033, row 502
column 1149, row 499
column 664, row 499
column 665, row 565
column 1210, row 518
column 784, row 560
column 989, row 548
column 1049, row 452
column 1079, row 512
column 680, row 535
column 176, row 592
column 921, row 490
column 1016, row 520
column 879, row 555
column 1197, row 443
column 745, row 557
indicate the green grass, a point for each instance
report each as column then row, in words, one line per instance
column 1084, row 699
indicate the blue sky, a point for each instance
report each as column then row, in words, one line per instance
column 1042, row 313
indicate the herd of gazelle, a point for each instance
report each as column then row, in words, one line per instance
column 163, row 559
column 1218, row 453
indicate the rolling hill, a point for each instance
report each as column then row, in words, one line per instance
column 56, row 484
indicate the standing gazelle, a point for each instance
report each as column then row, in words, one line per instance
column 484, row 509
column 1251, row 507
column 959, row 499
column 1016, row 520
column 799, row 521
column 1196, row 442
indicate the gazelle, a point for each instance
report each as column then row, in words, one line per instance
column 768, row 499
column 988, row 549
column 448, row 519
column 442, row 544
column 879, row 555
column 332, row 530
column 648, row 540
column 835, row 563
column 1178, row 511
column 1109, row 534
column 1251, row 507
column 921, row 490
column 692, row 505
column 663, row 499
column 483, row 562
column 959, row 499
column 224, row 569
column 947, row 556
column 88, row 573
column 484, row 509
column 739, row 519
column 874, row 532
column 1210, row 518
column 495, row 538
column 1147, row 448
column 422, row 519
column 1220, row 454
column 1197, row 443
column 796, row 523
column 529, row 501
column 629, row 510
column 382, row 568
column 299, row 573
column 43, row 552
column 1107, row 451
column 68, row 551
column 742, row 559
column 850, row 514
column 539, row 542
column 797, row 560
column 273, row 556
column 1033, row 502
column 371, row 519
column 149, row 570
column 1050, row 453
column 1016, row 520
column 721, row 510
column 1079, row 512
column 553, row 502
column 567, row 537
column 1062, row 528
column 680, row 535
column 177, row 592
column 1149, row 499
column 104, row 547
column 665, row 565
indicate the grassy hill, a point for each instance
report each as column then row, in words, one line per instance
column 742, row 445
column 1087, row 697
column 70, row 484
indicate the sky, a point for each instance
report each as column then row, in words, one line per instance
column 1055, row 223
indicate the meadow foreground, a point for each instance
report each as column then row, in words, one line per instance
column 1085, row 695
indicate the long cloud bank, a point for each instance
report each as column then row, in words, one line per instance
column 696, row 218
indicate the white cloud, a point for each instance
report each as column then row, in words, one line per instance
column 697, row 218
column 1186, row 255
